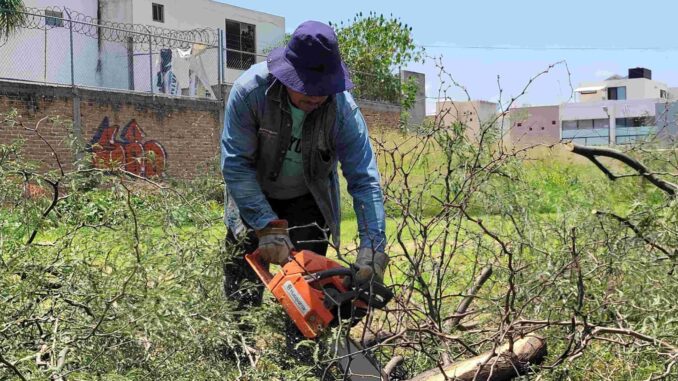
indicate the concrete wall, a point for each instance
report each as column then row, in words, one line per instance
column 43, row 55
column 196, row 14
column 666, row 115
column 534, row 125
column 417, row 113
column 115, row 59
column 673, row 94
column 474, row 114
column 380, row 116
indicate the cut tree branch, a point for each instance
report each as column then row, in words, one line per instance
column 11, row 367
column 639, row 233
column 592, row 154
column 471, row 294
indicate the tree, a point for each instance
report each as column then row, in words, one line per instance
column 11, row 17
column 374, row 47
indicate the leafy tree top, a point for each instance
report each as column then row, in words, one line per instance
column 377, row 44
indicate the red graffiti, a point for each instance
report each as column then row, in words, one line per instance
column 126, row 149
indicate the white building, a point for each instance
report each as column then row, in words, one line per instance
column 249, row 34
column 615, row 111
column 608, row 122
column 118, row 56
column 637, row 85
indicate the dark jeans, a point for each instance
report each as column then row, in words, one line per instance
column 240, row 281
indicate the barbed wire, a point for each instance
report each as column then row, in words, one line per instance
column 36, row 18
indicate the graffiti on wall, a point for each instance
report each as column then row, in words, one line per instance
column 112, row 147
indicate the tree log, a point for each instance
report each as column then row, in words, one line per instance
column 486, row 367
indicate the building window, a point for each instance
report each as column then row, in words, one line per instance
column 569, row 125
column 616, row 93
column 663, row 94
column 586, row 124
column 642, row 121
column 158, row 12
column 553, row 122
column 601, row 123
column 54, row 18
column 520, row 124
column 240, row 45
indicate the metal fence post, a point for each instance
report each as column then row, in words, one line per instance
column 70, row 25
column 224, row 55
column 44, row 73
column 219, row 57
column 150, row 58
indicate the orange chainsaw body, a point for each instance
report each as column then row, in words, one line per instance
column 300, row 294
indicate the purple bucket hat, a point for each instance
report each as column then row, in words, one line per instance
column 311, row 63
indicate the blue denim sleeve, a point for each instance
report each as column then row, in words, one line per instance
column 238, row 149
column 359, row 166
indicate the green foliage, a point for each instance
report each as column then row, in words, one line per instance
column 10, row 17
column 455, row 207
column 374, row 47
column 124, row 280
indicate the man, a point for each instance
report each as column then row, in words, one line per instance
column 288, row 122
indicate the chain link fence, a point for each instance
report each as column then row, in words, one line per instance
column 60, row 46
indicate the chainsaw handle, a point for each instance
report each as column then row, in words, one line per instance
column 375, row 294
column 259, row 267
column 337, row 271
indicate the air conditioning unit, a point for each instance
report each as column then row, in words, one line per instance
column 640, row 72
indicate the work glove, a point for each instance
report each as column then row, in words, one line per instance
column 274, row 242
column 369, row 263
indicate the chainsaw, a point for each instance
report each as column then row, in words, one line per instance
column 313, row 292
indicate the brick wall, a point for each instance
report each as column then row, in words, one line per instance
column 186, row 130
column 31, row 108
column 380, row 115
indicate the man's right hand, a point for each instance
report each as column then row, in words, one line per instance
column 274, row 242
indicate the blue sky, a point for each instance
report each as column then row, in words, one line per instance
column 516, row 40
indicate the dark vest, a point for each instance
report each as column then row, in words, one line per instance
column 317, row 147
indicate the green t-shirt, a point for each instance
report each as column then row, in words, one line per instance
column 290, row 183
column 292, row 166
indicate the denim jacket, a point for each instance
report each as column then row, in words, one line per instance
column 257, row 128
